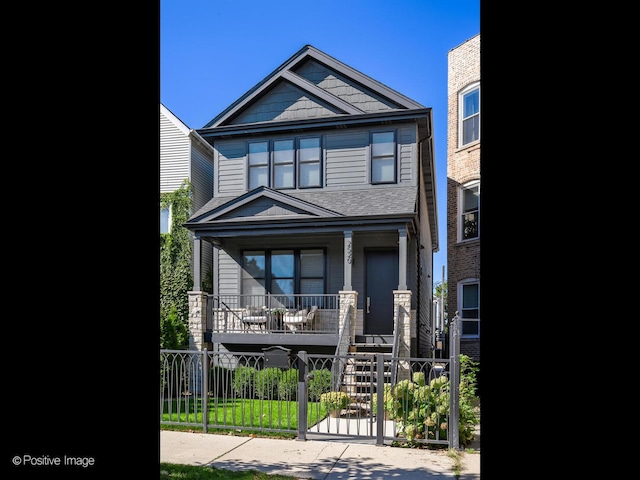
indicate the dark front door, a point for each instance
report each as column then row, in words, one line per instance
column 382, row 280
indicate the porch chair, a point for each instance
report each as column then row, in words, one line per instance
column 299, row 319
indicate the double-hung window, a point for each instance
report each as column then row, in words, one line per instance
column 469, row 218
column 284, row 156
column 285, row 163
column 258, row 164
column 309, row 162
column 383, row 157
column 469, row 101
column 469, row 311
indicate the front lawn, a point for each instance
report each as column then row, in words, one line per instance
column 255, row 413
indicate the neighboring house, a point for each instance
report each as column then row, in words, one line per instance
column 184, row 155
column 323, row 217
column 463, row 193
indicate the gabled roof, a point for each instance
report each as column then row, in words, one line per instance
column 180, row 125
column 234, row 208
column 386, row 201
column 288, row 74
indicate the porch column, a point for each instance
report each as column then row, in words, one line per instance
column 197, row 255
column 402, row 259
column 347, row 299
column 402, row 309
column 197, row 319
column 348, row 259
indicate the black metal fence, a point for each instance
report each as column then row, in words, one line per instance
column 312, row 395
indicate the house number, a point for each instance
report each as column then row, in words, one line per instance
column 349, row 252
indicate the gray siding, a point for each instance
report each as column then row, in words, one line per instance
column 231, row 167
column 284, row 102
column 408, row 154
column 228, row 274
column 337, row 85
column 202, row 183
column 346, row 159
column 174, row 155
column 201, row 175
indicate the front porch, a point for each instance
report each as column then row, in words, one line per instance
column 296, row 321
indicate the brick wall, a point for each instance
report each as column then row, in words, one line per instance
column 463, row 165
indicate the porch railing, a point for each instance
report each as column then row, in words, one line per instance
column 271, row 313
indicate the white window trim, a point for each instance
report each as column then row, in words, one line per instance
column 461, row 284
column 467, row 89
column 459, row 222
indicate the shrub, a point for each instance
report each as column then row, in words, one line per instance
column 288, row 386
column 335, row 400
column 243, row 381
column 319, row 383
column 267, row 381
column 422, row 411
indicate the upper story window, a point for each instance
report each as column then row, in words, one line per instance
column 469, row 217
column 383, row 157
column 469, row 307
column 310, row 155
column 165, row 220
column 469, row 102
column 258, row 164
column 278, row 163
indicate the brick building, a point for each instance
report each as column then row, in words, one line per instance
column 463, row 192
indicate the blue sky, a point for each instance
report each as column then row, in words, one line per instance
column 213, row 51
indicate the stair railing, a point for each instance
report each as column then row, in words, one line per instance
column 396, row 346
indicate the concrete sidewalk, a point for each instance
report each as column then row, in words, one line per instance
column 314, row 459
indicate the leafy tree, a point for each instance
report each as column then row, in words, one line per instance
column 175, row 268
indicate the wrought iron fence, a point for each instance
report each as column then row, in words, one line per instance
column 244, row 392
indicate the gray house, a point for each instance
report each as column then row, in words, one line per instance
column 323, row 217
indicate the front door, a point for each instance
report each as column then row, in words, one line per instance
column 382, row 280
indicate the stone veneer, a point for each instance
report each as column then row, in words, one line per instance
column 197, row 320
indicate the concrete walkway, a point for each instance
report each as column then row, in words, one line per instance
column 315, row 459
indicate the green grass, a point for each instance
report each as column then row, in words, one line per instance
column 190, row 472
column 239, row 413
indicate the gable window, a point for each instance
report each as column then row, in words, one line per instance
column 383, row 157
column 469, row 219
column 470, row 114
column 258, row 164
column 469, row 311
column 283, row 272
column 165, row 220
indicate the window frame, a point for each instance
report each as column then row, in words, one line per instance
column 297, row 275
column 462, row 119
column 295, row 162
column 461, row 309
column 309, row 162
column 373, row 158
column 461, row 210
column 169, row 218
